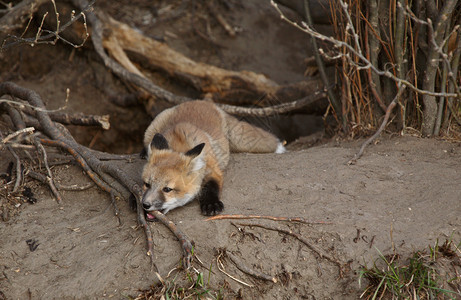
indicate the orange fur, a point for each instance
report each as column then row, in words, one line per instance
column 177, row 167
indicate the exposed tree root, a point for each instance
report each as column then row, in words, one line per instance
column 99, row 171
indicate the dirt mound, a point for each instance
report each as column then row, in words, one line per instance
column 404, row 187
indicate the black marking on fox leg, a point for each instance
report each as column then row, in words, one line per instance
column 159, row 142
column 209, row 199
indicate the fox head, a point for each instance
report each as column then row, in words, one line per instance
column 171, row 179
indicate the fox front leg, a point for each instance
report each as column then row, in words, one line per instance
column 210, row 204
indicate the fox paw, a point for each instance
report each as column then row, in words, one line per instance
column 212, row 208
column 209, row 199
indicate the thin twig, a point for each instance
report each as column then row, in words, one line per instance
column 287, row 219
column 275, row 109
column 222, row 21
column 11, row 136
column 76, row 119
column 49, row 178
column 366, row 64
column 381, row 128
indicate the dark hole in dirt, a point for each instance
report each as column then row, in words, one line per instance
column 52, row 69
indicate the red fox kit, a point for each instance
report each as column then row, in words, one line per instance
column 188, row 148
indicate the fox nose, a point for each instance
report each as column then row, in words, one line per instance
column 146, row 206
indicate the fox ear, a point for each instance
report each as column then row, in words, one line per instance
column 196, row 150
column 159, row 142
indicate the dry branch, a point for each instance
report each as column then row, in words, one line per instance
column 16, row 133
column 240, row 217
column 219, row 82
column 208, row 79
column 221, row 268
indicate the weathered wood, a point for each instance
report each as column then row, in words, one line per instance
column 221, row 84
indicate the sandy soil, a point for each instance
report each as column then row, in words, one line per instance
column 408, row 184
column 403, row 187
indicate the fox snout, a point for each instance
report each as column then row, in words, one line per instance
column 150, row 201
column 151, row 207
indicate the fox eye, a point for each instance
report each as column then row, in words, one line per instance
column 167, row 189
column 146, row 185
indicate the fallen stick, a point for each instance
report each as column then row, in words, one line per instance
column 223, row 84
column 287, row 219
